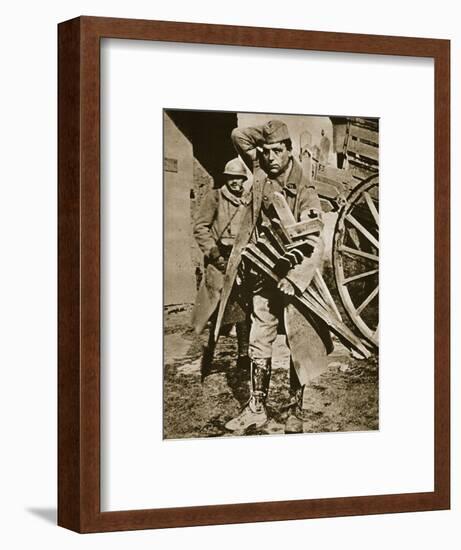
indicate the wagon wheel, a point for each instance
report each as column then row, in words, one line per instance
column 356, row 257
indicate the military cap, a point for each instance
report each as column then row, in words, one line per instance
column 275, row 131
column 235, row 167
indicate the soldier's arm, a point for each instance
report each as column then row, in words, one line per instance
column 204, row 220
column 301, row 275
column 245, row 141
column 309, row 202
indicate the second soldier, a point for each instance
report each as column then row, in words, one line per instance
column 216, row 226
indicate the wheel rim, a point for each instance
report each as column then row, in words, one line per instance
column 356, row 258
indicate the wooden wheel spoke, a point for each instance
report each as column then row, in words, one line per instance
column 353, row 234
column 372, row 207
column 356, row 257
column 362, row 230
column 324, row 291
column 360, row 253
column 348, row 280
column 364, row 304
column 376, row 332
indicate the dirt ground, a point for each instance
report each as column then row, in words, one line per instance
column 344, row 398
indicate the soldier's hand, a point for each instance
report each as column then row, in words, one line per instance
column 220, row 264
column 286, row 287
column 213, row 255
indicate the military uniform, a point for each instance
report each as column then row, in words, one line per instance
column 269, row 306
column 218, row 220
column 307, row 337
column 215, row 229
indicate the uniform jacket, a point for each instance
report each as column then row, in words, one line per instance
column 308, row 336
column 218, row 219
column 299, row 193
column 217, row 224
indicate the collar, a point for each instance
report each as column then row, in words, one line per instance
column 237, row 201
column 291, row 181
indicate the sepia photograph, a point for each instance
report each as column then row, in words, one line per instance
column 271, row 273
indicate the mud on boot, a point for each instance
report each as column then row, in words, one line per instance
column 293, row 424
column 297, row 414
column 253, row 414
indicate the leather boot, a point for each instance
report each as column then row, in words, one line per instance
column 254, row 413
column 243, row 364
column 296, row 414
column 243, row 333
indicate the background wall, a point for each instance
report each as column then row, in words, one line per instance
column 28, row 274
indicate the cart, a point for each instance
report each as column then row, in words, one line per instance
column 352, row 189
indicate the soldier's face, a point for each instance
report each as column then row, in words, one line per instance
column 276, row 158
column 235, row 185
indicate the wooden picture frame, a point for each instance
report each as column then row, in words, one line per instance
column 79, row 274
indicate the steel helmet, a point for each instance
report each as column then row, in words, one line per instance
column 235, row 167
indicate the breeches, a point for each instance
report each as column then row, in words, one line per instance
column 308, row 355
column 267, row 313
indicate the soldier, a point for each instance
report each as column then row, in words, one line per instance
column 267, row 150
column 215, row 228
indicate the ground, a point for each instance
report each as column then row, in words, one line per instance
column 343, row 398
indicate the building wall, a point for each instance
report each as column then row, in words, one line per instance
column 202, row 183
column 197, row 145
column 178, row 177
